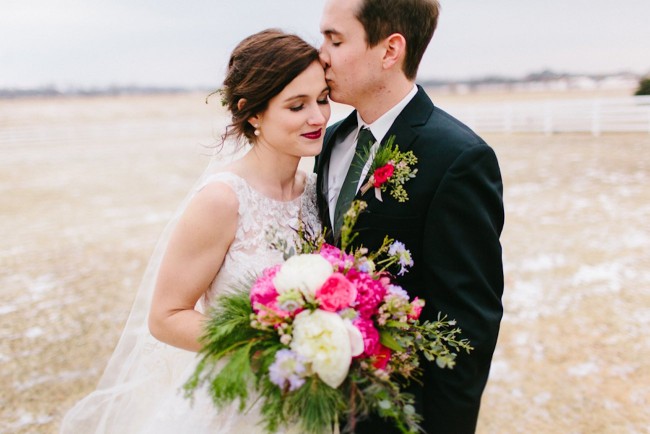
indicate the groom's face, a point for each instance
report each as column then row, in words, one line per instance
column 351, row 67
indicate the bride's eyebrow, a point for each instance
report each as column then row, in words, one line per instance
column 291, row 98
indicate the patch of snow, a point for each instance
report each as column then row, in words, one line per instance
column 583, row 369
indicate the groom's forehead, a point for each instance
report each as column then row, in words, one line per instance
column 340, row 11
column 338, row 21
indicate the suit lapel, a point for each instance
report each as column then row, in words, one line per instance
column 416, row 113
column 322, row 166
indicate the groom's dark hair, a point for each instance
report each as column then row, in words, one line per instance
column 416, row 20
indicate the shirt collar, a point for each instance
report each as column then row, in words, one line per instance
column 380, row 127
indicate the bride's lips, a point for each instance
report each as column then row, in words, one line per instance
column 313, row 135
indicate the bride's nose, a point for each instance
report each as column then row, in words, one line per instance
column 316, row 117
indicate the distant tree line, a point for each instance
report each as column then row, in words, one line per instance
column 644, row 87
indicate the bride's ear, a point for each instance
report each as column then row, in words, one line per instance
column 253, row 120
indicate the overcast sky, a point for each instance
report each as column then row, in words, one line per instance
column 186, row 43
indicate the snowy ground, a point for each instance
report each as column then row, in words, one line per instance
column 88, row 184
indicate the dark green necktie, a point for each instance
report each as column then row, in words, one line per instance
column 349, row 186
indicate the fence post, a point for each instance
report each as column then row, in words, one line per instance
column 507, row 121
column 548, row 119
column 472, row 119
column 595, row 118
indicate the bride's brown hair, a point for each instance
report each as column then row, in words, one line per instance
column 259, row 68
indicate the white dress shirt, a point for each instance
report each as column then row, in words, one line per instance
column 344, row 149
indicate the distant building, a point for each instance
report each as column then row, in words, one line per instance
column 545, row 81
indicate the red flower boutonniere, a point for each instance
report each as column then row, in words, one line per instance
column 390, row 170
column 382, row 174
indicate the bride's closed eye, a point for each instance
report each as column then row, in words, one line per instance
column 322, row 101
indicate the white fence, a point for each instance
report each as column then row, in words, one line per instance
column 593, row 116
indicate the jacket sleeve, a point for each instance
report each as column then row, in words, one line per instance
column 464, row 274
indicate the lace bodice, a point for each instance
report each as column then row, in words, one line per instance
column 260, row 217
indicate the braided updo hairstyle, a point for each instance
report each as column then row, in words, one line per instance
column 259, row 68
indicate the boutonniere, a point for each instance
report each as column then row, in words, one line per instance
column 390, row 170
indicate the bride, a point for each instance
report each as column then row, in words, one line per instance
column 276, row 92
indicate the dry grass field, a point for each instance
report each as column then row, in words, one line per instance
column 87, row 185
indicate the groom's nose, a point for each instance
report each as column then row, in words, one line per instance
column 324, row 58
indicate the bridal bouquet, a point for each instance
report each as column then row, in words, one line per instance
column 324, row 337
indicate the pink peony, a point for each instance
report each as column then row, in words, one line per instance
column 382, row 357
column 339, row 259
column 336, row 293
column 263, row 293
column 416, row 308
column 370, row 292
column 370, row 336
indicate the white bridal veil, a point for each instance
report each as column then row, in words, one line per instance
column 141, row 369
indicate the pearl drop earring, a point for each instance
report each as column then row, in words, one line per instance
column 257, row 131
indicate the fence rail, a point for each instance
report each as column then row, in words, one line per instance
column 593, row 116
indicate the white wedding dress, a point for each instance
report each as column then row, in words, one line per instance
column 141, row 389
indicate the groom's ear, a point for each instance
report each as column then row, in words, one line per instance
column 395, row 51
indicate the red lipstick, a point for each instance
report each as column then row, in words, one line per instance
column 313, row 135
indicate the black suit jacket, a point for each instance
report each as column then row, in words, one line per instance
column 451, row 224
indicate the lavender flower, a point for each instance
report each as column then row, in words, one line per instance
column 366, row 266
column 397, row 249
column 291, row 300
column 398, row 291
column 287, row 370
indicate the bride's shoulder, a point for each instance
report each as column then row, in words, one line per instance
column 215, row 201
column 231, row 179
column 220, row 193
column 216, row 194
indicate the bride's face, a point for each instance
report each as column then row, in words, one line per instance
column 295, row 119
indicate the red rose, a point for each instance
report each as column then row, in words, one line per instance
column 382, row 357
column 382, row 174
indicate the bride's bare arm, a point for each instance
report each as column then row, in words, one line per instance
column 192, row 259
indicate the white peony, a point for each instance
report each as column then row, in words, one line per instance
column 323, row 338
column 356, row 338
column 306, row 273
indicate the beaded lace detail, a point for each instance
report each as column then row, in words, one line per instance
column 259, row 217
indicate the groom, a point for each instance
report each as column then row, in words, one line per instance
column 454, row 215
